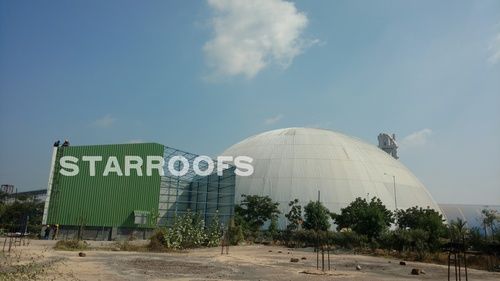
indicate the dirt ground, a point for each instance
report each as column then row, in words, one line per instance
column 256, row 262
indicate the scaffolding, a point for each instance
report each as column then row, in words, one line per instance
column 205, row 195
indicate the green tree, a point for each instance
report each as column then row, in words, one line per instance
column 366, row 218
column 316, row 216
column 294, row 216
column 458, row 230
column 273, row 228
column 255, row 210
column 489, row 219
column 3, row 195
column 428, row 220
column 15, row 216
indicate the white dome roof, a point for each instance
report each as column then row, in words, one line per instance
column 297, row 162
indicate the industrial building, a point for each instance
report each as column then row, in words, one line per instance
column 288, row 163
column 300, row 162
column 32, row 196
column 113, row 206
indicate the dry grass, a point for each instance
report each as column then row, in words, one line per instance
column 71, row 245
column 473, row 261
column 20, row 265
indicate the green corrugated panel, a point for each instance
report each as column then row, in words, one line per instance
column 104, row 201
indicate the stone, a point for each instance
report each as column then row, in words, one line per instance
column 402, row 263
column 417, row 271
column 358, row 267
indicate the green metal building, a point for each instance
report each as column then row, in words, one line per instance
column 107, row 206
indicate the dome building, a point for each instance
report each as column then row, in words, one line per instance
column 298, row 162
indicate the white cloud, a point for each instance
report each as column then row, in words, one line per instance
column 251, row 34
column 104, row 122
column 418, row 138
column 495, row 50
column 273, row 120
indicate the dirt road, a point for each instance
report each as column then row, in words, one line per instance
column 256, row 262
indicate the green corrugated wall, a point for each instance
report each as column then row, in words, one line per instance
column 104, row 201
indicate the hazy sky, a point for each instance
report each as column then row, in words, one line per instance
column 202, row 75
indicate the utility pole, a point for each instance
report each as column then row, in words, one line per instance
column 317, row 235
column 394, row 189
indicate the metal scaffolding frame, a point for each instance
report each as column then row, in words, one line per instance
column 205, row 195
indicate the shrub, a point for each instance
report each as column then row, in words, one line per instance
column 349, row 239
column 304, row 237
column 407, row 240
column 236, row 235
column 418, row 239
column 187, row 232
column 272, row 231
column 214, row 232
column 127, row 246
column 427, row 220
column 157, row 242
column 70, row 245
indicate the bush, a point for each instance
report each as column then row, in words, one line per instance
column 427, row 220
column 236, row 235
column 127, row 246
column 214, row 232
column 272, row 231
column 188, row 231
column 304, row 238
column 407, row 240
column 157, row 241
column 70, row 245
column 418, row 240
column 349, row 240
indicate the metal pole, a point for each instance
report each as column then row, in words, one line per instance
column 317, row 237
column 465, row 266
column 26, row 226
column 449, row 262
column 459, row 267
column 328, row 249
column 394, row 189
column 322, row 258
column 395, row 197
column 222, row 244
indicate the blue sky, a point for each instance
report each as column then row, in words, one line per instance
column 200, row 76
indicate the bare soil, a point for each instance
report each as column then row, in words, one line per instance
column 255, row 262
